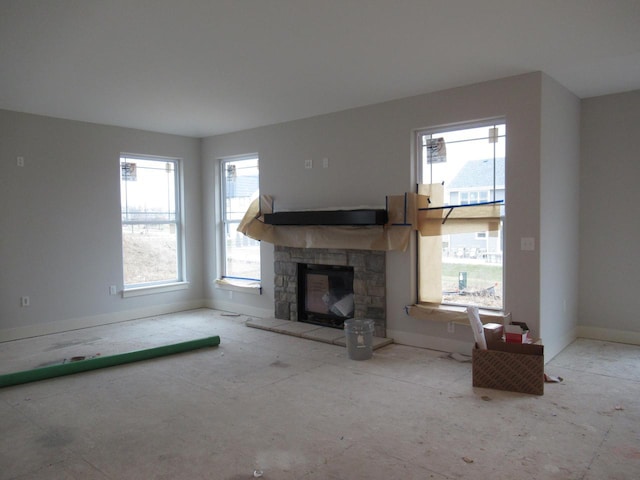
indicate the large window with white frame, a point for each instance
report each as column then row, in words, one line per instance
column 468, row 162
column 240, row 186
column 151, row 220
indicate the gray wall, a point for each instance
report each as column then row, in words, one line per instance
column 559, row 221
column 370, row 156
column 609, row 223
column 60, row 233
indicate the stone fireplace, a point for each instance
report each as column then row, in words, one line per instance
column 369, row 282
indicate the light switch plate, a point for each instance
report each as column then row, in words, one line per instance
column 527, row 244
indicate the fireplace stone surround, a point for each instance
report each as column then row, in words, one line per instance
column 369, row 280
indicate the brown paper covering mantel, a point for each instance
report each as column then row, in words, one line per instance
column 366, row 229
column 366, row 237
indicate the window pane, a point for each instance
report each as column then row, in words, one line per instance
column 241, row 187
column 464, row 160
column 150, row 253
column 148, row 191
column 472, row 270
column 243, row 254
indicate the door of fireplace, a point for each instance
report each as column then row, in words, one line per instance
column 325, row 294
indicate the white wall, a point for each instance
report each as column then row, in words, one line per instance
column 370, row 156
column 60, row 233
column 609, row 224
column 560, row 207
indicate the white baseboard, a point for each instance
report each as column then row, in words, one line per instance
column 556, row 344
column 430, row 342
column 238, row 308
column 95, row 320
column 609, row 335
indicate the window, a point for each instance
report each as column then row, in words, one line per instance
column 240, row 186
column 466, row 164
column 151, row 220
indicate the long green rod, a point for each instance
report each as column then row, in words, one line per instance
column 52, row 371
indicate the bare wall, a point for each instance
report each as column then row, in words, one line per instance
column 60, row 227
column 609, row 225
column 560, row 207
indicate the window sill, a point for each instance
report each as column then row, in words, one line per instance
column 453, row 313
column 252, row 287
column 154, row 289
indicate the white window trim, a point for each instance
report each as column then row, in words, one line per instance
column 154, row 289
column 234, row 285
column 416, row 150
column 180, row 283
column 223, row 282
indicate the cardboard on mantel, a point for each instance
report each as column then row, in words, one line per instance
column 376, row 237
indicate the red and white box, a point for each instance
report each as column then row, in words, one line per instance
column 516, row 334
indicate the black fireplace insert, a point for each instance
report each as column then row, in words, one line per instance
column 325, row 294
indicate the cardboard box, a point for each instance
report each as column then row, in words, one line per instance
column 509, row 366
column 493, row 332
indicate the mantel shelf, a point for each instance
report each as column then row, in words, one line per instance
column 359, row 217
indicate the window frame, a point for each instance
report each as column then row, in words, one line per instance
column 159, row 286
column 225, row 281
column 420, row 176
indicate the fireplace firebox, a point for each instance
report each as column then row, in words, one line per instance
column 325, row 294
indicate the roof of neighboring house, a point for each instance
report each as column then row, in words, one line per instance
column 246, row 185
column 478, row 173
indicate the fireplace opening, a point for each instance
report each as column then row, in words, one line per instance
column 325, row 294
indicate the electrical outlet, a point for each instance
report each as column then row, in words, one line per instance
column 451, row 327
column 20, row 161
column 24, row 301
column 113, row 290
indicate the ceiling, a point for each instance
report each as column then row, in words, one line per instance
column 205, row 67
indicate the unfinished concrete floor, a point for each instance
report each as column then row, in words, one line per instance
column 298, row 409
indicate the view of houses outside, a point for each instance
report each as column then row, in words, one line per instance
column 472, row 262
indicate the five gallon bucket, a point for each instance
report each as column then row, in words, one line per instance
column 359, row 338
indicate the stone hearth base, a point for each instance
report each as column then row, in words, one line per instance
column 333, row 336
